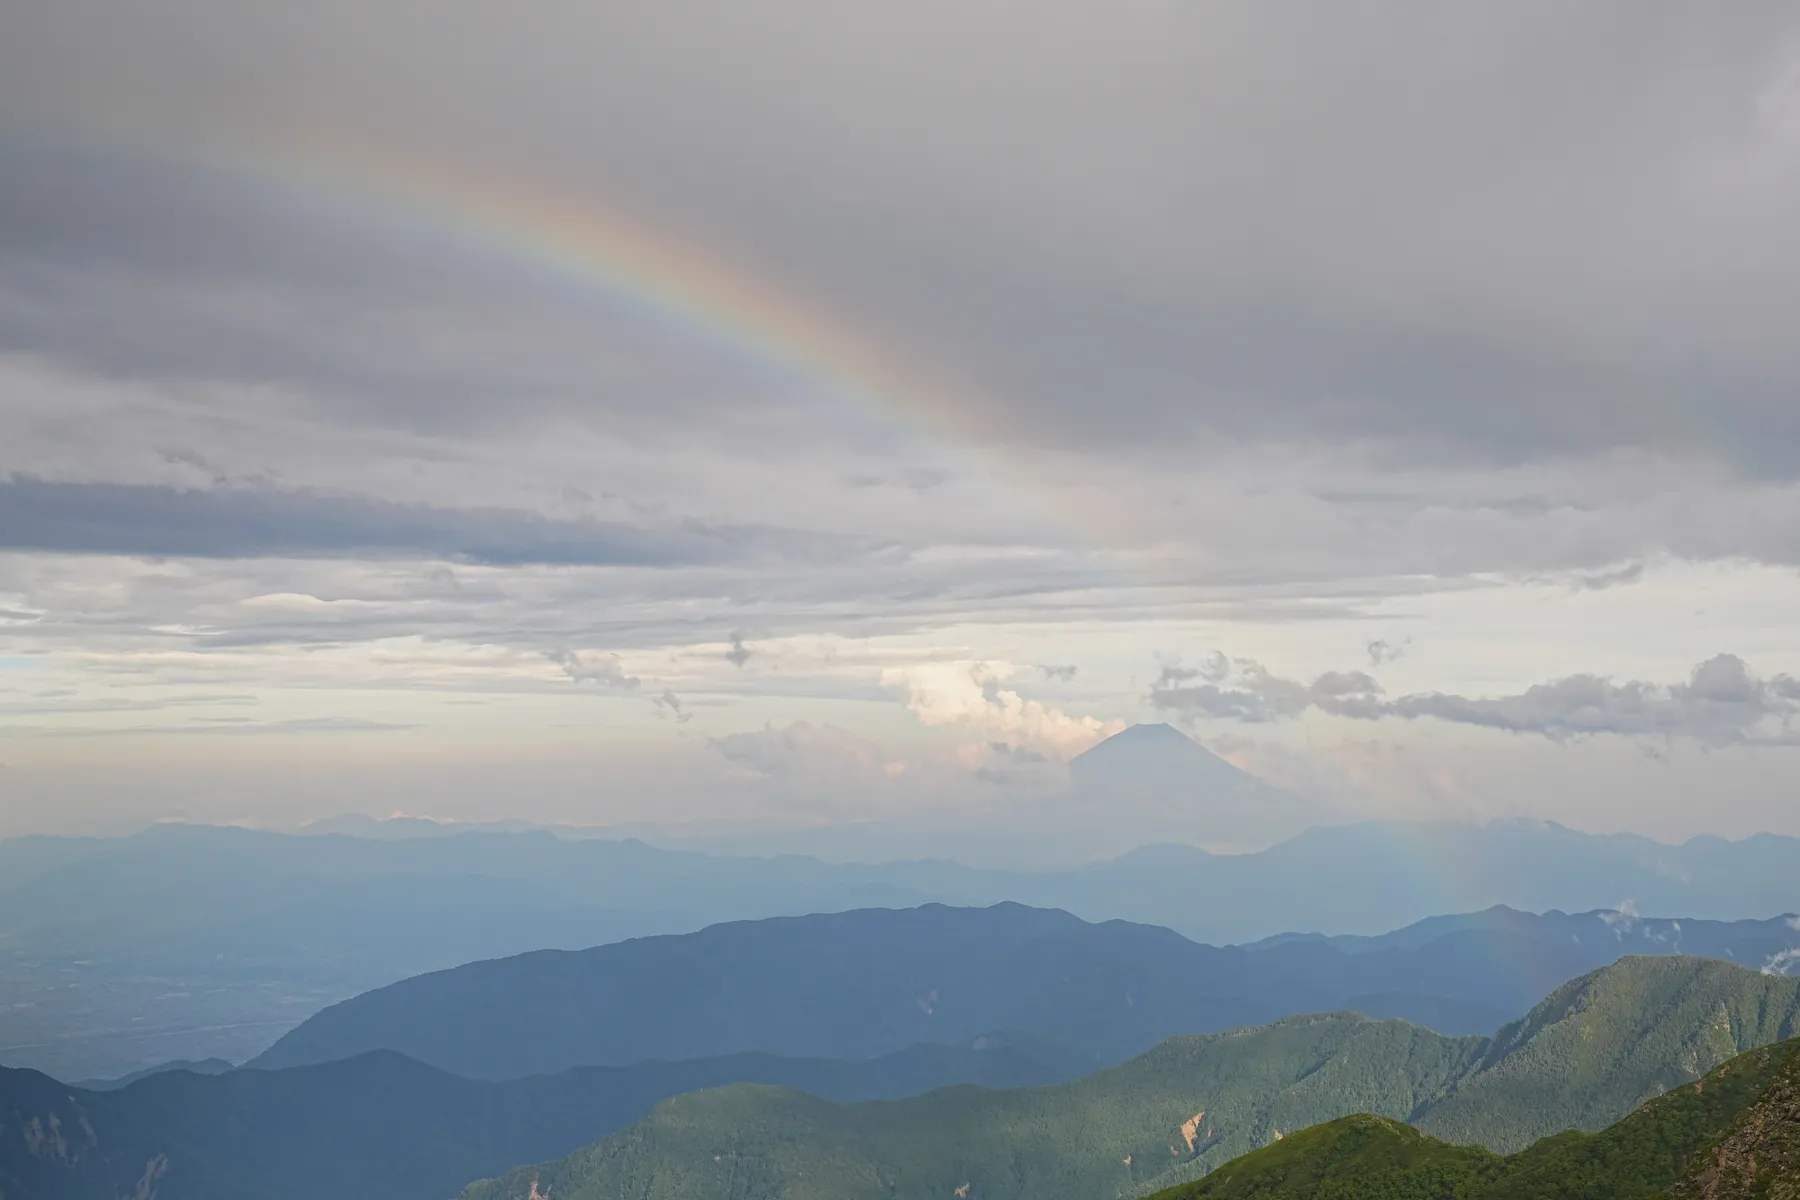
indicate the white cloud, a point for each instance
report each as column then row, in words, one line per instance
column 967, row 696
column 1784, row 963
column 1623, row 917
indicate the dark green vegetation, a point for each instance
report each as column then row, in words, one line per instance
column 184, row 942
column 1586, row 1057
column 383, row 1127
column 1361, row 1157
column 865, row 983
column 1725, row 1137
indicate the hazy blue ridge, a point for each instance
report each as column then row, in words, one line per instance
column 869, row 982
column 384, row 1127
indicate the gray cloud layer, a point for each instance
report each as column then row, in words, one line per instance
column 1721, row 703
column 94, row 518
column 1472, row 326
column 1245, row 220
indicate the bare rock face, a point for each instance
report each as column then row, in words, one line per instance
column 1760, row 1158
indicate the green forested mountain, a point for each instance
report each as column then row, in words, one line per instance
column 1585, row 1057
column 1642, row 1030
column 1735, row 1134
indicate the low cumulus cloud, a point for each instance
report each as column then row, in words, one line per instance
column 802, row 750
column 1382, row 652
column 969, row 696
column 1720, row 703
column 1244, row 690
column 668, row 704
column 608, row 671
column 590, row 666
column 739, row 654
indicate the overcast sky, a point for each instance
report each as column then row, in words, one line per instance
column 765, row 416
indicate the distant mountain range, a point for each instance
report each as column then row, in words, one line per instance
column 205, row 1066
column 1586, row 1056
column 870, row 982
column 190, row 943
column 383, row 1127
column 1146, row 782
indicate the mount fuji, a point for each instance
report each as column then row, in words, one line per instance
column 1159, row 773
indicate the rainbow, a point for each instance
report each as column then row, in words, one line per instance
column 582, row 241
column 585, row 241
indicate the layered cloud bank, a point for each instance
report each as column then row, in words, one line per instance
column 364, row 394
column 1719, row 704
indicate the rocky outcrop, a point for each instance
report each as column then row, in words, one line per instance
column 1760, row 1158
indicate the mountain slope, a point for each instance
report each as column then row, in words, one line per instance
column 1645, row 1030
column 865, row 983
column 1720, row 1139
column 1186, row 1107
column 1115, row 1131
column 383, row 1127
column 1759, row 1156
